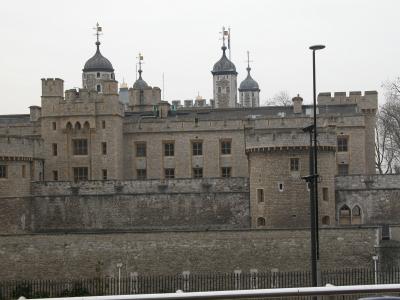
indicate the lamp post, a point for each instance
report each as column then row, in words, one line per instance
column 375, row 259
column 314, row 212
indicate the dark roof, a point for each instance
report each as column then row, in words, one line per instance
column 241, row 113
column 14, row 119
column 140, row 84
column 98, row 62
column 224, row 65
column 249, row 84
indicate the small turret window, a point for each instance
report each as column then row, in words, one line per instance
column 98, row 75
column 98, row 88
column 219, row 89
column 112, row 75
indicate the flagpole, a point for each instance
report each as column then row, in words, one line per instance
column 229, row 42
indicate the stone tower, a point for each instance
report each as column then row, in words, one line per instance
column 249, row 92
column 224, row 81
column 97, row 69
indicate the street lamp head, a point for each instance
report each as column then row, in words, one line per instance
column 317, row 47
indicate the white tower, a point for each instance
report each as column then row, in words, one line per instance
column 97, row 68
column 224, row 80
column 249, row 92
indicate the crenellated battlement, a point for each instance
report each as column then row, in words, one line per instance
column 366, row 101
column 52, row 87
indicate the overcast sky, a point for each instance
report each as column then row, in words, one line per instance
column 181, row 38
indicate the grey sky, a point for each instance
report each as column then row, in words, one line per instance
column 181, row 38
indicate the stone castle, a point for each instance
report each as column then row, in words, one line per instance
column 103, row 161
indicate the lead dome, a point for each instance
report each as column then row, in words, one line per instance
column 98, row 62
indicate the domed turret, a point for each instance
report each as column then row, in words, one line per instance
column 97, row 68
column 249, row 91
column 140, row 84
column 224, row 78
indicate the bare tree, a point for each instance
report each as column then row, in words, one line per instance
column 387, row 131
column 282, row 98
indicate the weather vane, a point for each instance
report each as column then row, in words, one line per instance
column 248, row 59
column 99, row 32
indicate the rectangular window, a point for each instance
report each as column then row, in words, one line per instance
column 103, row 124
column 226, row 147
column 55, row 150
column 169, row 149
column 197, row 148
column 23, row 171
column 197, row 172
column 54, row 124
column 226, row 172
column 169, row 173
column 80, row 147
column 260, row 195
column 3, row 171
column 342, row 143
column 104, row 148
column 141, row 149
column 294, row 164
column 325, row 195
column 81, row 173
column 104, row 174
column 141, row 174
column 343, row 170
column 55, row 175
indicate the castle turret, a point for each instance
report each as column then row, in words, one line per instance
column 97, row 69
column 224, row 80
column 249, row 91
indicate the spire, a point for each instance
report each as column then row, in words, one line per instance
column 248, row 63
column 140, row 58
column 99, row 32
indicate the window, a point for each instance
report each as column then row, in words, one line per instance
column 294, row 165
column 226, row 172
column 219, row 89
column 325, row 220
column 197, row 172
column 343, row 169
column 325, row 194
column 80, row 147
column 104, row 174
column 342, row 142
column 260, row 195
column 344, row 215
column 226, row 147
column 23, row 171
column 140, row 149
column 104, row 148
column 169, row 149
column 3, row 171
column 103, row 124
column 356, row 215
column 280, row 186
column 141, row 174
column 260, row 222
column 54, row 124
column 55, row 175
column 169, row 173
column 81, row 173
column 55, row 150
column 112, row 76
column 98, row 75
column 98, row 88
column 197, row 148
column 228, row 90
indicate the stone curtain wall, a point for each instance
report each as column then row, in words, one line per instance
column 62, row 256
column 377, row 195
column 129, row 205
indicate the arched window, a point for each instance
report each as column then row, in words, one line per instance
column 78, row 126
column 69, row 126
column 260, row 221
column 219, row 89
column 86, row 125
column 326, row 220
column 356, row 215
column 228, row 89
column 98, row 88
column 98, row 75
column 344, row 215
column 112, row 75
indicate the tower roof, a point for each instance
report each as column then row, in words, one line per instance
column 224, row 65
column 98, row 62
column 140, row 84
column 249, row 84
